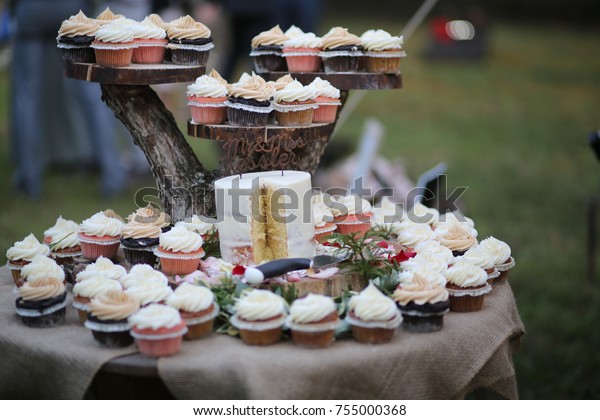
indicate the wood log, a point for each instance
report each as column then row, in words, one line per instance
column 135, row 74
column 346, row 81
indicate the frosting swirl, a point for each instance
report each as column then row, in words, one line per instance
column 306, row 40
column 498, row 249
column 155, row 316
column 411, row 234
column 282, row 82
column 254, row 87
column 42, row 267
column 113, row 214
column 187, row 28
column 196, row 224
column 349, row 204
column 107, row 16
column 101, row 225
column 140, row 230
column 436, row 262
column 114, row 33
column 293, row 31
column 190, row 298
column 273, row 36
column 466, row 275
column 424, row 271
column 102, row 267
column 294, row 91
column 41, row 289
column 149, row 292
column 420, row 213
column 457, row 238
column 179, row 239
column 324, row 88
column 157, row 20
column 207, row 87
column 150, row 215
column 339, row 37
column 434, row 247
column 215, row 75
column 146, row 29
column 372, row 305
column 449, row 219
column 260, row 305
column 379, row 40
column 27, row 249
column 477, row 256
column 311, row 308
column 94, row 286
column 321, row 212
column 387, row 212
column 420, row 291
column 59, row 226
column 78, row 25
column 142, row 273
column 113, row 305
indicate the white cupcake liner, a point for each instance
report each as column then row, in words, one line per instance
column 107, row 328
column 202, row 319
column 14, row 267
column 470, row 292
column 80, row 306
column 257, row 325
column 317, row 327
column 150, row 44
column 166, row 336
column 324, row 229
column 205, row 47
column 34, row 313
column 114, row 46
column 146, row 248
column 301, row 53
column 338, row 103
column 71, row 46
column 494, row 274
column 207, row 104
column 58, row 254
column 385, row 54
column 293, row 108
column 259, row 109
column 423, row 314
column 330, row 54
column 388, row 325
column 261, row 53
column 194, row 256
column 353, row 222
column 99, row 241
column 506, row 266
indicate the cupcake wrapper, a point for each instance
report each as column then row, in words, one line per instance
column 381, row 64
column 421, row 314
column 166, row 336
column 145, row 248
column 207, row 104
column 45, row 321
column 334, row 54
column 245, row 118
column 150, row 43
column 388, row 325
column 260, row 53
column 303, row 63
column 199, row 330
column 493, row 275
column 341, row 63
column 59, row 254
column 312, row 328
column 195, row 321
column 359, row 228
column 506, row 266
column 258, row 325
column 470, row 292
column 423, row 324
column 80, row 306
column 113, row 47
column 261, row 338
column 94, row 249
column 320, row 339
column 250, row 108
column 190, row 47
column 271, row 62
column 179, row 264
column 385, row 54
column 148, row 54
column 106, row 328
column 325, row 113
column 194, row 256
column 295, row 118
column 77, row 54
column 139, row 255
column 88, row 240
column 209, row 113
column 34, row 313
column 294, row 108
column 301, row 54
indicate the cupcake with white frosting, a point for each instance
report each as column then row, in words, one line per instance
column 42, row 303
column 142, row 273
column 100, row 236
column 202, row 228
column 301, row 51
column 197, row 307
column 259, row 315
column 190, row 42
column 22, row 253
column 148, row 292
column 113, row 45
column 207, row 99
column 373, row 316
column 387, row 213
column 102, row 267
column 84, row 291
column 150, row 41
column 327, row 99
column 158, row 330
column 352, row 214
column 266, row 50
column 467, row 285
column 108, row 318
column 180, row 251
column 478, row 257
column 313, row 320
column 501, row 252
column 422, row 270
column 382, row 51
column 41, row 268
column 62, row 240
column 294, row 105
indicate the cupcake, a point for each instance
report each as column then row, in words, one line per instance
column 266, row 50
column 352, row 214
column 373, row 316
column 202, row 228
column 151, row 215
column 387, row 213
column 422, row 304
column 456, row 237
column 301, row 53
column 323, row 218
column 446, row 220
column 328, row 101
column 138, row 241
column 382, row 51
column 189, row 41
column 150, row 41
column 341, row 51
column 259, row 315
column 422, row 270
column 142, row 273
column 84, row 291
column 197, row 307
column 100, row 236
column 113, row 46
column 149, row 292
column 467, row 285
column 180, row 251
column 42, row 303
column 420, row 213
column 42, row 268
column 102, row 267
column 75, row 38
column 410, row 234
column 249, row 102
column 282, row 82
column 313, row 320
column 158, row 21
column 21, row 254
column 113, row 215
column 435, row 248
column 503, row 261
column 53, row 234
column 478, row 257
column 108, row 318
column 158, row 330
column 294, row 105
column 435, row 262
column 64, row 244
column 207, row 99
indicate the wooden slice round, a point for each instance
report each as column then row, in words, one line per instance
column 135, row 74
column 227, row 131
column 346, row 81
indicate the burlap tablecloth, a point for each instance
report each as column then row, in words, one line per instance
column 472, row 351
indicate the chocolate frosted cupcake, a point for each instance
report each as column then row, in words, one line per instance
column 42, row 302
column 341, row 51
column 266, row 50
column 84, row 291
column 189, row 41
column 22, row 253
column 75, row 38
column 260, row 315
column 313, row 320
column 197, row 307
column 294, row 105
column 422, row 304
column 249, row 102
column 108, row 318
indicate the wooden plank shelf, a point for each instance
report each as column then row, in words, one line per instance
column 135, row 74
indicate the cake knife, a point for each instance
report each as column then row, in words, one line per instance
column 258, row 274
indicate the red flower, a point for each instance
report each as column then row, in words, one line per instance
column 335, row 244
column 402, row 256
column 383, row 244
column 238, row 270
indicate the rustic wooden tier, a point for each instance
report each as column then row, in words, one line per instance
column 346, row 81
column 135, row 74
column 272, row 147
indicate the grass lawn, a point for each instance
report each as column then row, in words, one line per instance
column 513, row 129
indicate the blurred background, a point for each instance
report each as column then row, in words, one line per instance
column 509, row 101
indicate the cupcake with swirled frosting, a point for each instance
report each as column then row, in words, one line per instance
column 100, row 236
column 190, row 42
column 140, row 235
column 352, row 214
column 295, row 104
column 457, row 237
column 328, row 101
column 42, row 267
column 423, row 304
column 22, row 253
column 150, row 41
column 259, row 315
column 501, row 252
column 142, row 273
column 42, row 303
column 180, row 250
column 382, row 51
column 197, row 307
column 158, row 330
column 62, row 240
column 249, row 102
column 75, row 38
column 148, row 292
column 301, row 51
column 313, row 320
column 266, row 50
column 108, row 318
column 341, row 51
column 85, row 290
column 282, row 82
column 373, row 316
column 113, row 45
column 207, row 99
column 203, row 228
column 467, row 285
column 478, row 257
column 103, row 267
column 107, row 16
